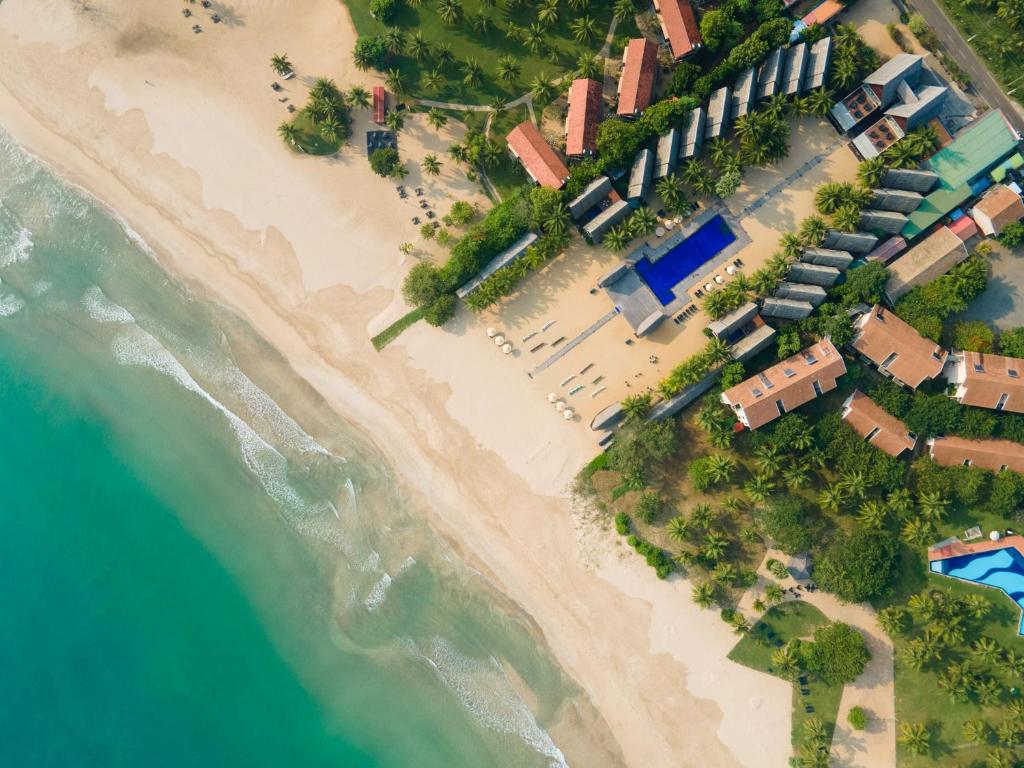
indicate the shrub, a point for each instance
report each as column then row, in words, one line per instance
column 440, row 311
column 385, row 161
column 719, row 29
column 461, row 213
column 732, row 374
column 1011, row 342
column 699, row 473
column 422, row 284
column 858, row 566
column 683, row 78
column 933, row 415
column 863, row 284
column 638, row 447
column 622, row 524
column 649, row 506
column 776, row 569
column 922, row 31
column 977, row 423
column 1012, row 234
column 786, row 521
column 838, row 654
column 371, row 52
column 788, row 343
column 383, row 10
column 973, row 335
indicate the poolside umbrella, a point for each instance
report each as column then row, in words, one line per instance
column 560, row 405
column 995, row 536
column 499, row 340
column 660, row 232
column 731, row 269
column 568, row 413
column 506, row 348
column 719, row 279
column 708, row 287
column 491, row 333
column 552, row 397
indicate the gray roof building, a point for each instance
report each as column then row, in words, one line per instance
column 503, row 259
column 814, row 294
column 752, row 343
column 814, row 274
column 693, row 137
column 890, row 222
column 796, row 66
column 728, row 324
column 769, row 78
column 743, row 94
column 596, row 228
column 854, row 242
column 718, row 113
column 640, row 175
column 592, row 194
column 786, row 309
column 910, row 179
column 819, row 58
column 668, row 152
column 902, row 200
column 885, row 81
column 829, row 257
column 917, row 108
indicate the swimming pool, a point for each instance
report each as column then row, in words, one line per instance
column 999, row 568
column 684, row 259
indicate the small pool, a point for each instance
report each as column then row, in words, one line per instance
column 684, row 259
column 1002, row 569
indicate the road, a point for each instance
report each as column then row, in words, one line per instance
column 960, row 50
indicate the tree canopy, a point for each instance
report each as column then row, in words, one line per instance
column 858, row 566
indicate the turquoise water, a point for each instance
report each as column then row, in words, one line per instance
column 190, row 577
column 1002, row 569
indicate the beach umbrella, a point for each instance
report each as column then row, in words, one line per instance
column 719, row 279
column 568, row 413
column 995, row 536
column 560, row 405
column 660, row 232
column 499, row 340
column 708, row 287
column 552, row 397
column 491, row 333
column 731, row 269
column 506, row 348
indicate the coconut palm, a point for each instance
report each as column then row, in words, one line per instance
column 557, row 222
column 932, row 506
column 723, row 573
column 534, row 37
column 472, row 72
column 988, row 691
column 444, row 54
column 431, row 165
column 1008, row 733
column 714, row 305
column 458, row 153
column 547, row 14
column 588, row 66
column 418, row 46
column 643, row 221
column 394, row 39
column 917, row 531
column 720, row 467
column 395, row 80
column 759, row 488
column 777, row 105
column 795, row 475
column 395, row 121
column 999, row 758
column 872, row 514
column 976, row 731
column 579, row 5
column 678, row 528
column 818, row 102
column 1015, row 709
column 508, row 68
column 813, row 230
column 986, row 649
column 636, row 407
column 433, row 80
column 900, row 502
column 847, row 218
column 717, row 351
column 720, row 151
column 324, row 88
column 854, row 483
column 704, row 594
column 902, row 154
column 892, row 619
column 829, row 198
column 813, row 729
column 584, row 29
column 481, row 22
column 768, row 458
column 436, row 118
column 702, row 516
column 450, row 11
column 279, row 63
column 915, row 737
column 791, row 245
column 786, row 660
column 832, row 497
column 670, row 190
column 289, row 133
column 330, row 129
column 542, row 88
column 358, row 97
column 617, row 238
column 844, row 74
column 871, row 172
column 714, row 546
column 624, row 9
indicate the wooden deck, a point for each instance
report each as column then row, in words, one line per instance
column 958, row 548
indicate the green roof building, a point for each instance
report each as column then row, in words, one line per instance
column 969, row 156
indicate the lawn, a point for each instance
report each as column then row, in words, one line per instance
column 780, row 624
column 309, row 140
column 393, row 331
column 991, row 37
column 560, row 56
column 507, row 176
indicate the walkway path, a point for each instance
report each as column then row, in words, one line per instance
column 608, row 83
column 874, row 690
column 753, row 207
column 526, row 98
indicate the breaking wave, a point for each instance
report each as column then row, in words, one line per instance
column 103, row 310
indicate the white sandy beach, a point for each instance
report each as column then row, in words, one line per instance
column 176, row 132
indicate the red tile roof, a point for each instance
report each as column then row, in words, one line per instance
column 999, row 207
column 636, row 84
column 984, row 454
column 896, row 348
column 964, row 228
column 583, row 117
column 380, row 104
column 881, row 429
column 823, row 14
column 988, row 381
column 679, row 25
column 538, row 158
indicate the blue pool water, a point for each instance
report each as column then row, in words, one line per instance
column 683, row 260
column 999, row 568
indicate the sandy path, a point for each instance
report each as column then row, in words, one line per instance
column 175, row 131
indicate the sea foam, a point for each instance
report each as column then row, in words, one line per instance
column 104, row 310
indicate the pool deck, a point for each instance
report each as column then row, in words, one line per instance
column 959, row 548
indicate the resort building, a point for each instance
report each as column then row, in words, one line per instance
column 679, row 26
column 878, row 427
column 987, row 381
column 901, row 200
column 668, row 153
column 888, row 250
column 596, row 228
column 896, row 349
column 730, row 324
column 914, row 109
column 819, row 58
column 876, row 92
column 636, row 83
column 961, row 167
column 814, row 274
column 757, row 340
column 964, row 228
column 380, row 104
column 993, row 455
column 854, row 242
column 997, row 208
column 786, row 309
column 888, row 222
column 693, row 137
column 793, row 72
column 592, row 194
column 812, row 294
column 503, row 259
column 744, row 330
column 911, row 179
column 743, row 93
column 786, row 386
column 583, row 117
column 769, row 77
column 538, row 159
column 825, row 13
column 934, row 256
column 640, row 175
column 718, row 113
column 827, row 257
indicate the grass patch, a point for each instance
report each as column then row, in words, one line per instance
column 993, row 40
column 393, row 331
column 561, row 54
column 782, row 623
column 309, row 140
column 508, row 175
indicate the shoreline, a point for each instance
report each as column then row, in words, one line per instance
column 624, row 638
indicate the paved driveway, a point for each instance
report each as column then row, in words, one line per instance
column 1002, row 303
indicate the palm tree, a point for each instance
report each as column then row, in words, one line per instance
column 579, row 5
column 988, row 691
column 704, row 594
column 330, row 129
column 547, row 14
column 786, row 660
column 395, row 80
column 872, row 514
column 616, row 238
column 444, row 54
column 508, row 68
column 589, row 66
column 976, row 731
column 670, row 190
column 829, row 198
column 482, row 23
column 818, row 102
column 473, row 72
column 542, row 88
column 847, row 218
column 394, row 39
column 724, row 573
column 814, row 729
column 279, row 63
column 773, row 593
column 791, row 245
column 917, row 531
column 358, row 97
column 624, row 9
column 433, row 80
column 702, row 516
column 289, row 133
column 777, row 105
column 584, row 29
column 719, row 150
column 324, row 88
column 1008, row 732
column 720, row 467
column 395, row 121
column 557, row 222
column 678, row 528
column 986, row 649
column 1015, row 709
column 534, row 38
column 431, row 165
column 768, row 458
column 871, row 171
column 844, row 74
column 902, row 154
column 832, row 497
column 759, row 488
column 418, row 46
column 643, row 221
column 713, row 546
column 900, row 502
column 795, row 475
column 458, row 153
column 915, row 737
column 436, row 118
column 932, row 506
column 450, row 11
column 717, row 351
column 813, row 230
column 714, row 304
column 999, row 758
column 892, row 619
column 636, row 407
column 854, row 483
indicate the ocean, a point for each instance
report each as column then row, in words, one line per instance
column 190, row 577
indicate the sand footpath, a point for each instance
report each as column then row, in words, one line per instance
column 176, row 132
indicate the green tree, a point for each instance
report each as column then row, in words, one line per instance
column 759, row 488
column 436, row 118
column 838, row 654
column 973, row 335
column 423, row 284
column 289, row 133
column 472, row 72
column 858, row 566
column 279, row 63
column 787, row 521
column 704, row 594
column 718, row 29
column 893, row 620
column 450, row 11
column 431, row 165
column 508, row 68
column 359, row 97
column 584, row 29
column 1012, row 234
column 915, row 737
